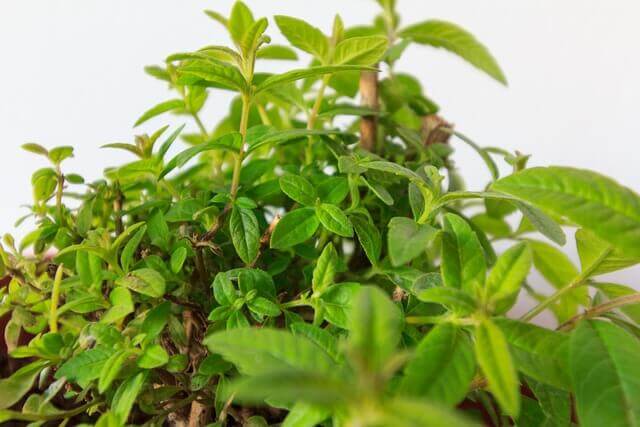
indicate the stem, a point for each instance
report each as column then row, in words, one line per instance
column 578, row 281
column 313, row 116
column 55, row 299
column 244, row 121
column 59, row 191
column 117, row 209
column 369, row 98
column 296, row 303
column 263, row 115
column 600, row 309
column 203, row 129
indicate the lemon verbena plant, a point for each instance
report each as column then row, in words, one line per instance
column 313, row 258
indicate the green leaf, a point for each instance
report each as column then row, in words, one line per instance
column 590, row 200
column 264, row 307
column 252, row 37
column 540, row 353
column 319, row 336
column 463, row 262
column 153, row 356
column 442, row 367
column 277, row 52
column 360, row 50
column 216, row 72
column 158, row 230
column 126, row 395
column 405, row 412
column 507, row 275
column 144, row 281
column 126, row 257
column 598, row 257
column 304, row 36
column 337, row 303
column 19, row 383
column 111, row 369
column 369, row 238
column 304, row 73
column 245, row 233
column 85, row 366
column 121, row 305
column 305, row 415
column 375, row 328
column 542, row 222
column 604, row 372
column 155, row 321
column 407, row 239
column 294, row 228
column 612, row 290
column 298, row 188
column 392, row 168
column 163, row 107
column 58, row 154
column 231, row 141
column 334, row 220
column 325, row 269
column 492, row 353
column 455, row 299
column 259, row 351
column 32, row 147
column 240, row 21
column 177, row 259
column 286, row 136
column 457, row 40
column 223, row 290
column 554, row 403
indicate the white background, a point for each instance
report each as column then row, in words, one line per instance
column 71, row 73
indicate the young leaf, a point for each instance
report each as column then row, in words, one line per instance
column 155, row 321
column 177, row 259
column 494, row 358
column 245, row 233
column 298, row 189
column 407, row 239
column 604, row 373
column 294, row 228
column 375, row 328
column 325, row 270
column 542, row 222
column 590, row 200
column 506, row 276
column 360, row 50
column 463, row 263
column 163, row 107
column 277, row 52
column 457, row 40
column 121, row 305
column 240, row 21
column 334, row 220
column 420, row 413
column 442, row 367
column 369, row 237
column 216, row 72
column 126, row 395
column 304, row 36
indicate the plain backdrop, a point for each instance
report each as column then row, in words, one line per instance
column 71, row 74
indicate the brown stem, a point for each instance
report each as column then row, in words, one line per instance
column 369, row 99
column 117, row 209
column 600, row 309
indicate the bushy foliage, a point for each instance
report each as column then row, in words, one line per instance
column 310, row 260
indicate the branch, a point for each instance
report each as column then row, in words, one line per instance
column 600, row 309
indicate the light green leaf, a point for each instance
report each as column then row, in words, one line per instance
column 216, row 72
column 604, row 372
column 405, row 412
column 294, row 228
column 360, row 50
column 245, row 233
column 304, row 415
column 590, row 200
column 158, row 230
column 540, row 353
column 163, row 107
column 144, row 281
column 304, row 73
column 126, row 395
column 126, row 257
column 231, row 141
column 277, row 52
column 251, row 39
column 19, row 383
column 153, row 356
column 407, row 239
column 85, row 366
column 298, row 188
column 260, row 351
column 507, row 275
column 337, row 303
column 442, row 367
column 375, row 327
column 264, row 307
column 111, row 368
column 457, row 40
column 542, row 222
column 612, row 290
column 492, row 353
column 304, row 36
column 325, row 269
column 598, row 257
column 240, row 21
column 177, row 259
column 455, row 299
column 463, row 262
column 334, row 220
column 121, row 305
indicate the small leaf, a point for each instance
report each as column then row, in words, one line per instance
column 153, row 356
column 111, row 369
column 264, row 307
column 463, row 262
column 230, row 141
column 126, row 395
column 144, row 281
column 294, row 228
column 325, row 269
column 298, row 189
column 369, row 237
column 407, row 239
column 126, row 257
column 506, row 276
column 337, row 303
column 305, row 73
column 455, row 299
column 177, row 259
column 163, row 107
column 240, row 22
column 35, row 148
column 334, row 220
column 494, row 358
column 304, row 36
column 245, row 233
column 158, row 230
column 277, row 52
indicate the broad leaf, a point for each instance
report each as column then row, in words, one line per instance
column 298, row 188
column 599, row 257
column 334, row 220
column 407, row 239
column 294, row 228
column 337, row 303
column 245, row 233
column 463, row 262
